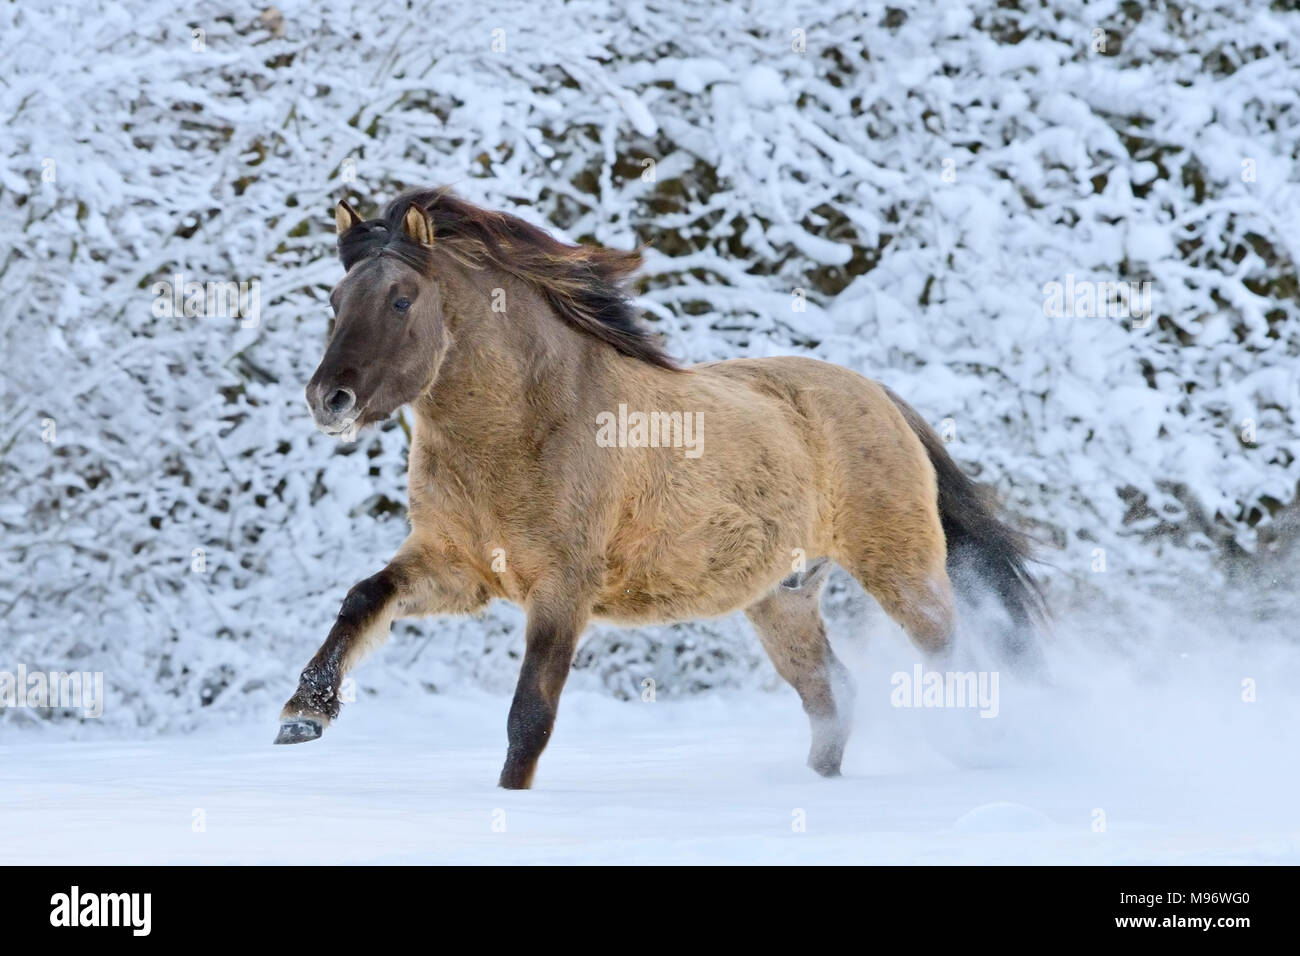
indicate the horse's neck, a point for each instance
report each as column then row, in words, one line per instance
column 511, row 381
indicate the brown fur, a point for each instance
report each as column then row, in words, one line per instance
column 801, row 461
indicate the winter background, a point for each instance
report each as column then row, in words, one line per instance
column 921, row 170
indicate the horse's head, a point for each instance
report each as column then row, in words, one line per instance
column 389, row 337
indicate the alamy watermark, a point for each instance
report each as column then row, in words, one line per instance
column 208, row 300
column 1084, row 298
column 921, row 688
column 651, row 430
column 60, row 690
column 130, row 910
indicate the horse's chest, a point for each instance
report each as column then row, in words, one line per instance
column 505, row 550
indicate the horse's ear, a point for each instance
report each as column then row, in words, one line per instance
column 416, row 225
column 345, row 217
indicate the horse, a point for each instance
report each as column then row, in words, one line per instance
column 562, row 461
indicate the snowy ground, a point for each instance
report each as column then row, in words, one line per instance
column 1162, row 744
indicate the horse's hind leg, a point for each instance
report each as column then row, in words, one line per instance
column 904, row 569
column 789, row 623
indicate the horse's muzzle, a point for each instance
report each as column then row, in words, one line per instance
column 334, row 408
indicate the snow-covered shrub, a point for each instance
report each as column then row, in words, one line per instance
column 915, row 174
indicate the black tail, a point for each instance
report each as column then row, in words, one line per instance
column 981, row 547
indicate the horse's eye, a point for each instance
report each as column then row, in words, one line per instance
column 401, row 305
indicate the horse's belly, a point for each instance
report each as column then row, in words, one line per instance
column 651, row 606
column 685, row 577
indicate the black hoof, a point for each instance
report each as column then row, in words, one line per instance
column 298, row 730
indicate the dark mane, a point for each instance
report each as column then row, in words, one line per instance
column 583, row 284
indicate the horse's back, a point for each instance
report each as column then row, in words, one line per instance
column 877, row 466
column 846, row 419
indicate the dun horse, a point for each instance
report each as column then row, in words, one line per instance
column 560, row 460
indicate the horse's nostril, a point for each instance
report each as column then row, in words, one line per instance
column 340, row 400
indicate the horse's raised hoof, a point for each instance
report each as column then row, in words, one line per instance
column 299, row 730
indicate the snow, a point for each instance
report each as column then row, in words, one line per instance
column 1140, row 753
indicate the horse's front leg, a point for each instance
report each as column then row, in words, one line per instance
column 414, row 584
column 551, row 637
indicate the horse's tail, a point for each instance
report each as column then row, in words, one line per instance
column 980, row 546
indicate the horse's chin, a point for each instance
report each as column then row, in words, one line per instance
column 348, row 431
column 340, row 430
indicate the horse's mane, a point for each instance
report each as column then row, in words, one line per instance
column 583, row 284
